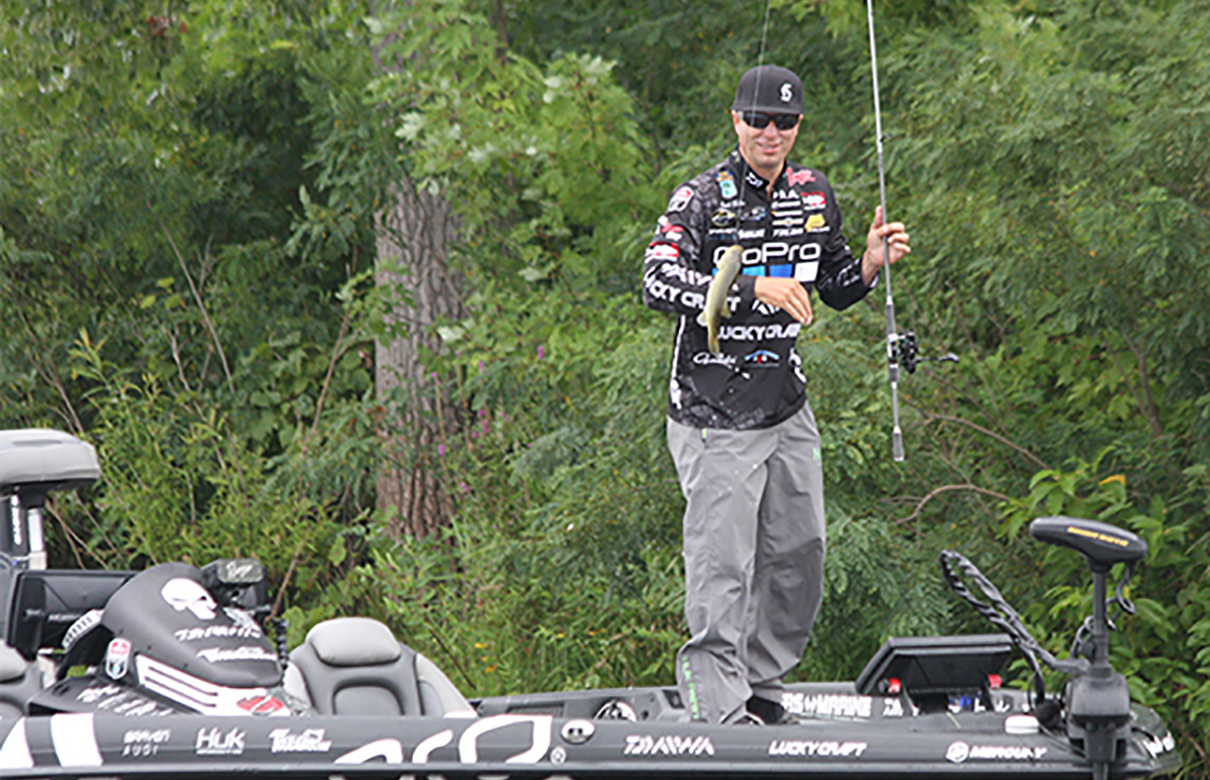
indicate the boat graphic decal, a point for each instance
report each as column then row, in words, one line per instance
column 828, row 748
column 668, row 745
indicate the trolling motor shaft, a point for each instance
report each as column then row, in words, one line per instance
column 1098, row 701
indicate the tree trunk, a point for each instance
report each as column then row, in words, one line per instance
column 414, row 235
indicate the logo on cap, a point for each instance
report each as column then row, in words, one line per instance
column 787, row 92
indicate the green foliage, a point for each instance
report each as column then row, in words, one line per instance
column 186, row 252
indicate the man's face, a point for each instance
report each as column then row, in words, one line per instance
column 765, row 149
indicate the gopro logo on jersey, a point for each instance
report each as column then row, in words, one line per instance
column 773, row 253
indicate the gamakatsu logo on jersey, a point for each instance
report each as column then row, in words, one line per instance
column 801, row 747
column 673, row 745
column 960, row 751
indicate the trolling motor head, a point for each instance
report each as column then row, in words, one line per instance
column 1098, row 701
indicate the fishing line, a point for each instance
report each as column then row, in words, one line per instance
column 743, row 179
column 760, row 60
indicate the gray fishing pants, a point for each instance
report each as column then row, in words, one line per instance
column 754, row 552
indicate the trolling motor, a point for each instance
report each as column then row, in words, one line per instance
column 1098, row 700
column 1095, row 708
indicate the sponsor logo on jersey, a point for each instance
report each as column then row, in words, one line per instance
column 723, row 218
column 680, row 199
column 762, row 357
column 803, row 176
column 663, row 251
column 670, row 231
column 726, row 184
column 814, row 200
column 769, row 332
column 703, row 359
column 773, row 253
column 756, row 214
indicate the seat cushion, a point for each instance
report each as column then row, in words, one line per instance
column 353, row 641
column 355, row 666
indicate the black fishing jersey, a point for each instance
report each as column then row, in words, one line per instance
column 757, row 381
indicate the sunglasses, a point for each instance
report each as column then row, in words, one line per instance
column 758, row 121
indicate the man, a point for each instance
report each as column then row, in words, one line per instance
column 740, row 431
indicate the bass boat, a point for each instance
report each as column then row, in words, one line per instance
column 171, row 673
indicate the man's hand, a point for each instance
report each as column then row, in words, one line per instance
column 897, row 238
column 787, row 294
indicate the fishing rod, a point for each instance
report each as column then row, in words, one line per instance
column 902, row 349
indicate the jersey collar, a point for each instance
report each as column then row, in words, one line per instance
column 750, row 178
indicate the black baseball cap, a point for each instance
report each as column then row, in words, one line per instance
column 770, row 89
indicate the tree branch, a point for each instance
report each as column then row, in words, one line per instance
column 1003, row 440
column 1141, row 391
column 948, row 489
column 197, row 297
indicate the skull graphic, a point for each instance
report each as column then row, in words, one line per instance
column 185, row 594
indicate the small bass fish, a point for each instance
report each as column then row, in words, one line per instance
column 716, row 296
